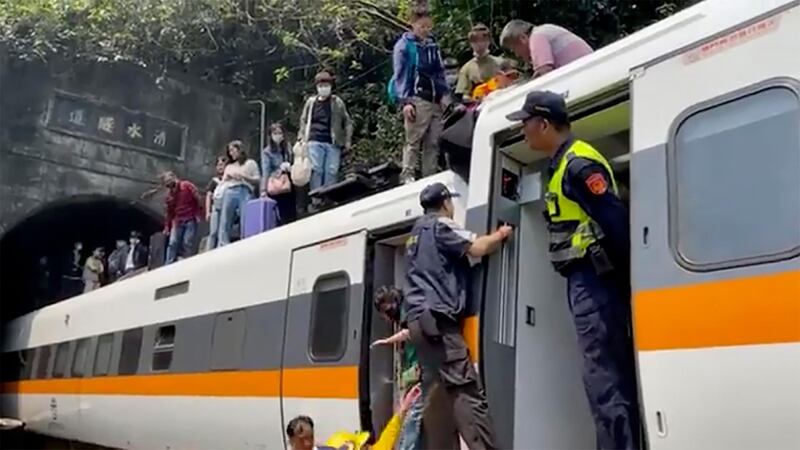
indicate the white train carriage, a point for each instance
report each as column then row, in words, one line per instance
column 701, row 112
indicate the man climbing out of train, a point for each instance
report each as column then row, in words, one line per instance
column 545, row 47
column 389, row 304
column 589, row 245
column 439, row 253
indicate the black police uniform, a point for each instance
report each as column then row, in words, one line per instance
column 437, row 271
column 598, row 288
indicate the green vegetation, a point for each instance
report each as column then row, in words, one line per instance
column 271, row 49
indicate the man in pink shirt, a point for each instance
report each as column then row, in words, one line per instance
column 545, row 47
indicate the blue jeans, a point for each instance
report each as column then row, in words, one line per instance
column 410, row 434
column 325, row 160
column 233, row 201
column 180, row 240
column 213, row 225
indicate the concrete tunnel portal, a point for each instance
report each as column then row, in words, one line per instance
column 29, row 281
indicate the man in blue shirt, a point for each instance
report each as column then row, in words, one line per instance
column 439, row 253
column 589, row 246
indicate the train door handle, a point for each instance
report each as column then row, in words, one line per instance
column 530, row 315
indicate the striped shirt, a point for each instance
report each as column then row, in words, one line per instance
column 556, row 46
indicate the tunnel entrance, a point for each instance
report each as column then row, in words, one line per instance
column 36, row 253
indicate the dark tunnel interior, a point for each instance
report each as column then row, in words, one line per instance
column 29, row 281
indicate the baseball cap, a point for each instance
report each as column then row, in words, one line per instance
column 542, row 104
column 435, row 194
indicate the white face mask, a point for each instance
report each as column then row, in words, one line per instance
column 324, row 90
column 277, row 137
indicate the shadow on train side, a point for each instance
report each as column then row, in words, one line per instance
column 29, row 281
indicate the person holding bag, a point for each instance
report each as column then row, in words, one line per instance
column 276, row 162
column 329, row 131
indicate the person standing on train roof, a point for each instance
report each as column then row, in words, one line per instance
column 439, row 253
column 590, row 246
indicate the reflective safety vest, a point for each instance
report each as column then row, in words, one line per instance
column 571, row 229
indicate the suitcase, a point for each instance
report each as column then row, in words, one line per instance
column 260, row 215
column 158, row 250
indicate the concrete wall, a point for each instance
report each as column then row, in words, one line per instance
column 108, row 129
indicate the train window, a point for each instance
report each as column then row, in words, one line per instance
column 62, row 360
column 228, row 340
column 79, row 358
column 43, row 362
column 731, row 164
column 131, row 348
column 328, row 340
column 27, row 359
column 172, row 290
column 163, row 347
column 102, row 357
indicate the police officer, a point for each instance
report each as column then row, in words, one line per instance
column 589, row 245
column 439, row 253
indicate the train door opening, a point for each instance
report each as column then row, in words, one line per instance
column 531, row 362
column 388, row 269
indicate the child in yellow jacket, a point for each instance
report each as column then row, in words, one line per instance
column 358, row 441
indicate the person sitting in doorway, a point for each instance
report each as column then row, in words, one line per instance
column 300, row 432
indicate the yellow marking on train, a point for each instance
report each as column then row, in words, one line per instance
column 762, row 309
column 312, row 382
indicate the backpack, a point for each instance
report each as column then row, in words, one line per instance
column 391, row 87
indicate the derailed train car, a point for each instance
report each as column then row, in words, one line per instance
column 702, row 110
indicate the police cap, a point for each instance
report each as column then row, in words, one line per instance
column 434, row 195
column 546, row 104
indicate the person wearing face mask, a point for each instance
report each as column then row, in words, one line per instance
column 240, row 180
column 136, row 256
column 482, row 66
column 419, row 85
column 183, row 212
column 439, row 254
column 276, row 163
column 327, row 131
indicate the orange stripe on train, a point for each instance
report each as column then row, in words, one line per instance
column 762, row 309
column 322, row 382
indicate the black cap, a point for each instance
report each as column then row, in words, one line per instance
column 542, row 104
column 434, row 195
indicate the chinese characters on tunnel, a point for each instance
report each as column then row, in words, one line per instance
column 115, row 125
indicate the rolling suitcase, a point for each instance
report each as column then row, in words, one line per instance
column 260, row 215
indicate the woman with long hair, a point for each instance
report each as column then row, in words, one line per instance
column 241, row 177
column 276, row 163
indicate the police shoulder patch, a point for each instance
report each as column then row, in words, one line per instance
column 597, row 183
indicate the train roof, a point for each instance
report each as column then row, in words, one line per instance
column 258, row 266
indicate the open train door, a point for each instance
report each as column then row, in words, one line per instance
column 322, row 343
column 716, row 237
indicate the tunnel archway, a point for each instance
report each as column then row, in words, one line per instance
column 51, row 231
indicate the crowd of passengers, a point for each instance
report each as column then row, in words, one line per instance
column 423, row 86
